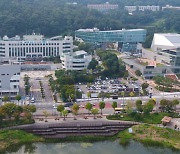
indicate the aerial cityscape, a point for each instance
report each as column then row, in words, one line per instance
column 91, row 76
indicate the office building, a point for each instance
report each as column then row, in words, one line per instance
column 34, row 47
column 103, row 7
column 78, row 60
column 9, row 80
column 131, row 9
column 127, row 39
column 166, row 47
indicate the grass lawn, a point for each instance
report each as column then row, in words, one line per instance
column 13, row 137
column 154, row 118
column 153, row 136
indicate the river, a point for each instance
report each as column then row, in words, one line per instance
column 103, row 147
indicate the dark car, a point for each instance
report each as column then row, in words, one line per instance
column 68, row 104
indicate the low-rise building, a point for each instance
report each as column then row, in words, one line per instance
column 78, row 60
column 131, row 9
column 170, row 7
column 103, row 7
column 9, row 80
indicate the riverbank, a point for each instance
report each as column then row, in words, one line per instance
column 151, row 135
column 154, row 118
column 10, row 138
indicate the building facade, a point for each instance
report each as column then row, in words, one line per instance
column 9, row 80
column 127, row 39
column 103, row 7
column 170, row 7
column 32, row 47
column 131, row 9
column 78, row 60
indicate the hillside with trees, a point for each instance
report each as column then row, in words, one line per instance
column 56, row 17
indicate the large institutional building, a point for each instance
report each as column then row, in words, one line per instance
column 32, row 47
column 127, row 39
column 167, row 48
column 9, row 80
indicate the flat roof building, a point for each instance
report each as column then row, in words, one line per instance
column 103, row 7
column 127, row 38
column 9, row 80
column 34, row 47
column 131, row 9
column 78, row 60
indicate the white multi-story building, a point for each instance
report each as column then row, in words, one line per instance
column 170, row 7
column 103, row 7
column 131, row 9
column 9, row 80
column 34, row 46
column 78, row 60
column 149, row 7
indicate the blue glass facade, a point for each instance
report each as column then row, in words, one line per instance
column 128, row 38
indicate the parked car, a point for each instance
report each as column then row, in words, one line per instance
column 68, row 104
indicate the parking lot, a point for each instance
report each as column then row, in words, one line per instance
column 109, row 86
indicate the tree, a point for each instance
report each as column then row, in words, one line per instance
column 9, row 109
column 88, row 106
column 94, row 112
column 29, row 108
column 75, row 109
column 175, row 102
column 101, row 106
column 139, row 105
column 167, row 105
column 64, row 113
column 18, row 97
column 129, row 107
column 148, row 107
column 114, row 105
column 16, row 114
column 145, row 85
column 2, row 114
column 131, row 94
column 60, row 108
column 46, row 114
column 89, row 94
column 5, row 99
column 138, row 73
column 93, row 63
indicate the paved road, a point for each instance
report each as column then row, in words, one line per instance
column 35, row 89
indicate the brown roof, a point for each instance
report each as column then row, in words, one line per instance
column 166, row 119
column 171, row 76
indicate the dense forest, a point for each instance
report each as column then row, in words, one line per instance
column 55, row 17
column 130, row 2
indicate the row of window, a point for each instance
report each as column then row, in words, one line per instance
column 14, row 80
column 46, row 51
column 28, row 44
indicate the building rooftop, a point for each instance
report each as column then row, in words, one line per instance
column 34, row 37
column 168, row 39
column 80, row 52
column 97, row 30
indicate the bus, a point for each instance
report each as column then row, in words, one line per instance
column 119, row 110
